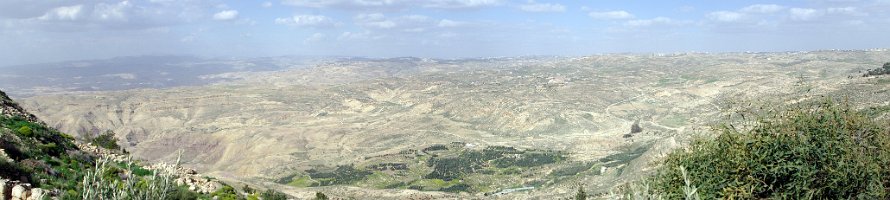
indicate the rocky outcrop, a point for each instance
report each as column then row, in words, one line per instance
column 185, row 176
column 189, row 178
column 14, row 190
column 102, row 152
column 199, row 184
column 9, row 108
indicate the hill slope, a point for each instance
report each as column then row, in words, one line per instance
column 38, row 162
column 285, row 127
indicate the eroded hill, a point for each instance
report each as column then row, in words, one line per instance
column 295, row 128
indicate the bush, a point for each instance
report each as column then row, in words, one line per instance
column 344, row 174
column 13, row 171
column 635, row 127
column 320, row 196
column 271, row 194
column 25, row 131
column 878, row 71
column 181, row 193
column 247, row 189
column 821, row 150
column 226, row 193
column 581, row 194
column 106, row 140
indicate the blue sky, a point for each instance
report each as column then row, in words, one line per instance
column 56, row 30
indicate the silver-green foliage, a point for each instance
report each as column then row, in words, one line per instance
column 96, row 185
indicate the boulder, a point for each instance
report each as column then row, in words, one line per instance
column 210, row 187
column 37, row 194
column 20, row 192
column 5, row 189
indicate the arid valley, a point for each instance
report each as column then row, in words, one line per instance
column 403, row 127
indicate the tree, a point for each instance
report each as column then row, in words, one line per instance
column 271, row 194
column 247, row 189
column 320, row 196
column 581, row 195
column 635, row 128
column 106, row 140
column 878, row 71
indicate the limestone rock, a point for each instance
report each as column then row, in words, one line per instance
column 5, row 189
column 20, row 192
column 37, row 194
column 9, row 108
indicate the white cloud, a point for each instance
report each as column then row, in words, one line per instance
column 366, row 35
column 310, row 3
column 266, row 4
column 852, row 11
column 381, row 24
column 117, row 11
column 374, row 20
column 226, row 15
column 380, row 21
column 126, row 76
column 368, row 4
column 188, row 38
column 762, row 8
column 414, row 30
column 306, row 21
column 542, row 7
column 650, row 22
column 451, row 4
column 98, row 15
column 63, row 13
column 725, row 16
column 315, row 37
column 804, row 14
column 611, row 15
column 416, row 18
column 446, row 23
column 370, row 17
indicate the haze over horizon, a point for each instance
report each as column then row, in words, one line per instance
column 49, row 31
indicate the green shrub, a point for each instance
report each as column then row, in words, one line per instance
column 226, row 193
column 25, row 131
column 344, row 174
column 271, row 194
column 247, row 189
column 819, row 150
column 13, row 171
column 106, row 140
column 581, row 194
column 181, row 193
column 51, row 149
column 320, row 196
column 878, row 71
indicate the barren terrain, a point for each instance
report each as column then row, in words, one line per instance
column 276, row 128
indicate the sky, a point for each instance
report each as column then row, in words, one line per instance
column 58, row 30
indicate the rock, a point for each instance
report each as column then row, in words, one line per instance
column 37, row 194
column 20, row 192
column 210, row 187
column 5, row 156
column 5, row 189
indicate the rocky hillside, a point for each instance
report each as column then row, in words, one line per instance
column 10, row 109
column 289, row 129
column 15, row 177
column 38, row 162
